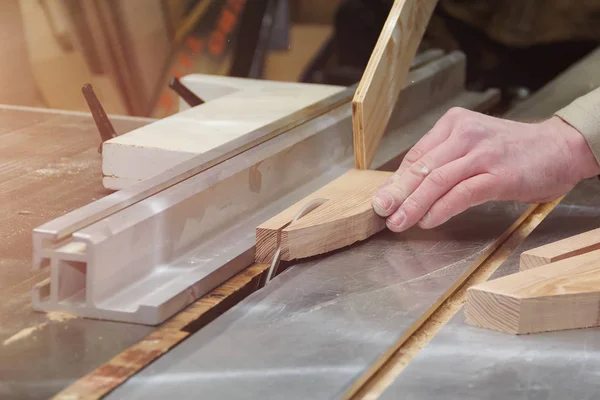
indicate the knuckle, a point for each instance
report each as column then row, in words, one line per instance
column 420, row 168
column 468, row 127
column 455, row 112
column 444, row 208
column 438, row 178
column 466, row 194
column 413, row 155
column 412, row 204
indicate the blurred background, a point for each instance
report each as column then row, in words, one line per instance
column 129, row 49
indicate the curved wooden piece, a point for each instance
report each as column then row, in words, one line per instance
column 345, row 218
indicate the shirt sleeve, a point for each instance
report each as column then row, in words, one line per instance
column 584, row 115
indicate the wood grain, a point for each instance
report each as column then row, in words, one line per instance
column 346, row 217
column 556, row 296
column 385, row 75
column 560, row 250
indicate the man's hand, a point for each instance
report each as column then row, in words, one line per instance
column 470, row 158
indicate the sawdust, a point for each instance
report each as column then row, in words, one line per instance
column 22, row 334
column 54, row 316
column 63, row 168
column 59, row 316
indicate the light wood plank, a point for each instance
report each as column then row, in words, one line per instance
column 346, row 217
column 556, row 296
column 146, row 152
column 385, row 75
column 560, row 250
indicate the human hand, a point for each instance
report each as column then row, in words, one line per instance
column 469, row 158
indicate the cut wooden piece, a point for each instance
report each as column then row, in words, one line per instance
column 345, row 218
column 385, row 75
column 561, row 295
column 556, row 251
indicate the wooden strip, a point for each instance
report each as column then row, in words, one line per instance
column 346, row 217
column 560, row 250
column 385, row 75
column 557, row 296
column 110, row 375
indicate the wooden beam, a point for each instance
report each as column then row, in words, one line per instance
column 385, row 75
column 557, row 296
column 560, row 250
column 345, row 218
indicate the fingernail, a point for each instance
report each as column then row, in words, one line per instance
column 383, row 202
column 397, row 219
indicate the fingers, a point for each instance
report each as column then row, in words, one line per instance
column 435, row 137
column 403, row 183
column 468, row 193
column 433, row 187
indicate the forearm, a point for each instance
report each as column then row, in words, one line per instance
column 584, row 115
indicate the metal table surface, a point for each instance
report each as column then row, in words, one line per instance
column 465, row 362
column 49, row 165
column 314, row 329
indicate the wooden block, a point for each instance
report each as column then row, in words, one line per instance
column 560, row 250
column 557, row 296
column 347, row 217
column 385, row 75
column 235, row 107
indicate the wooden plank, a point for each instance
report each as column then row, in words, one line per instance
column 557, row 296
column 146, row 152
column 385, row 75
column 560, row 250
column 346, row 217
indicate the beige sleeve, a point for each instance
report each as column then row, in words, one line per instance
column 584, row 115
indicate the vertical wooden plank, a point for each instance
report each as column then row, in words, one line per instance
column 385, row 74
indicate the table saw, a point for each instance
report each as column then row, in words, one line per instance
column 152, row 291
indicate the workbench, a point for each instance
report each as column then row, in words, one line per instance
column 325, row 327
column 49, row 165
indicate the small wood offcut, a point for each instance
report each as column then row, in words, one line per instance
column 557, row 288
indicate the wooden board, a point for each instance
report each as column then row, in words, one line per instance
column 560, row 250
column 244, row 105
column 556, row 296
column 385, row 75
column 345, row 218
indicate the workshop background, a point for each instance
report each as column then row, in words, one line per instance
column 129, row 49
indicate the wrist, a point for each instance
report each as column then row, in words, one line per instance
column 582, row 161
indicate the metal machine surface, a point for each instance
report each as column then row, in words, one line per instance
column 464, row 362
column 321, row 324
